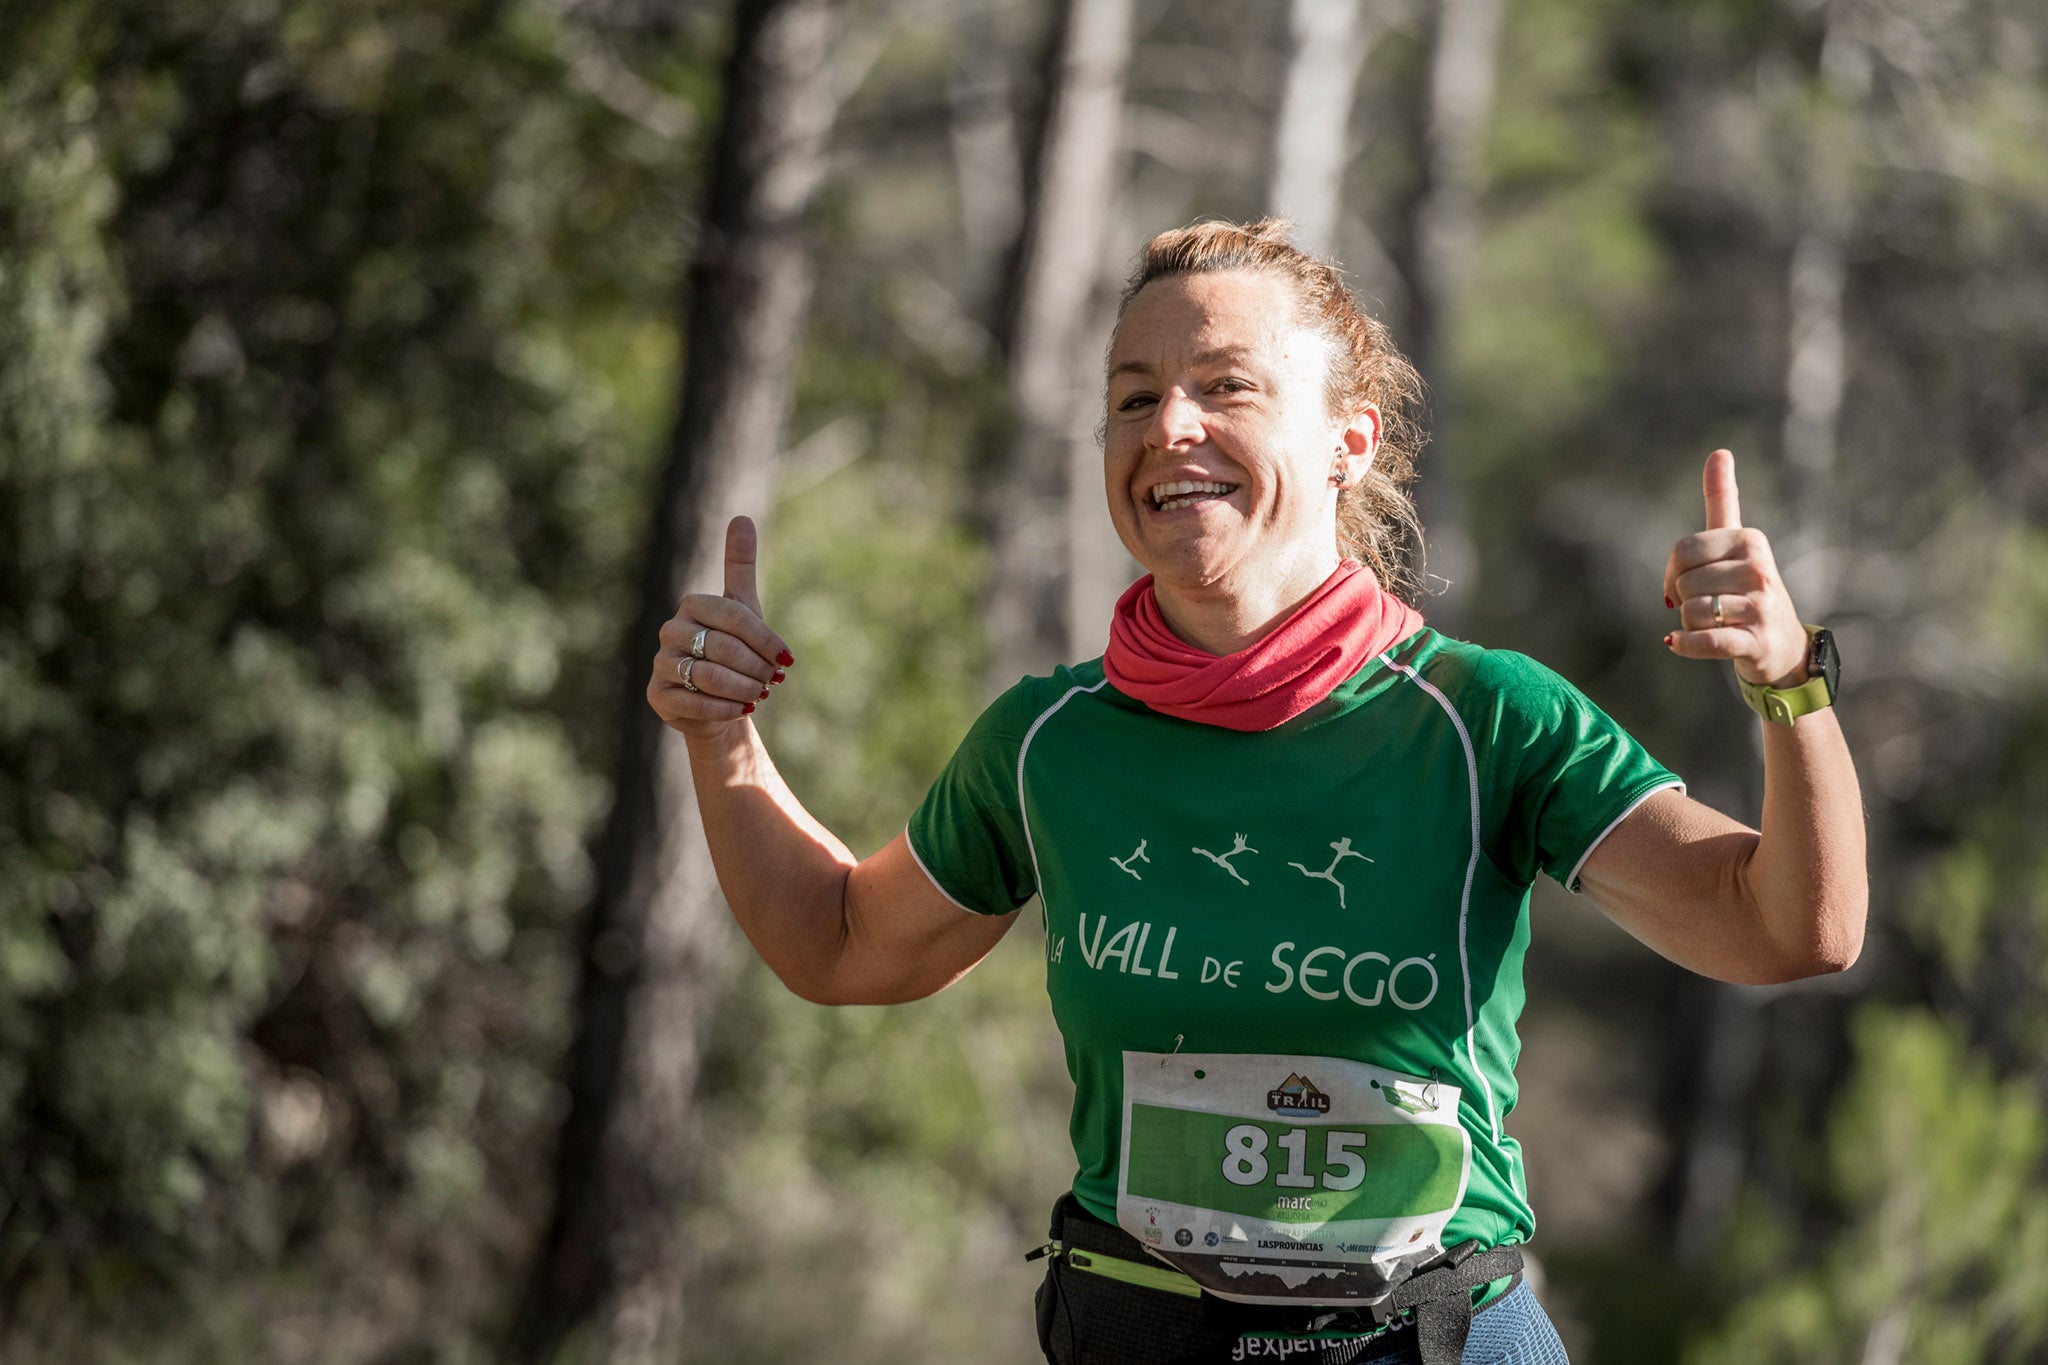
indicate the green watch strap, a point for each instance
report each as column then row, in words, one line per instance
column 1784, row 705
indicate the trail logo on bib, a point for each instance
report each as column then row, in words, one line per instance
column 1297, row 1095
column 1327, row 1191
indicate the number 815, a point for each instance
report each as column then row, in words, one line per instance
column 1244, row 1159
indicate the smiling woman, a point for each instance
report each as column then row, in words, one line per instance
column 1280, row 309
column 1283, row 836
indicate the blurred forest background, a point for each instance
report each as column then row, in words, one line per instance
column 374, row 374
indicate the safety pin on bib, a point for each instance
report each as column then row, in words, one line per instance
column 1176, row 1047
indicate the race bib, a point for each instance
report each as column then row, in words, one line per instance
column 1288, row 1179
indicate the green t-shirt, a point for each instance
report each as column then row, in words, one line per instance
column 1352, row 884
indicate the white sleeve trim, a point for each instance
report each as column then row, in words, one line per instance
column 911, row 844
column 1571, row 883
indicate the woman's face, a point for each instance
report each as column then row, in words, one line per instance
column 1214, row 383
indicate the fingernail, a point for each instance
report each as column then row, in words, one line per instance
column 785, row 658
column 1668, row 602
column 779, row 676
column 1667, row 641
column 764, row 694
column 747, row 708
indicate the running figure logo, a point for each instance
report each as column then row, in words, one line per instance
column 1329, row 874
column 1222, row 860
column 1137, row 856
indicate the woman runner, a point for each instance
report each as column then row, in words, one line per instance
column 1284, row 835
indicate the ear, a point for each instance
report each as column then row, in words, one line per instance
column 1359, row 443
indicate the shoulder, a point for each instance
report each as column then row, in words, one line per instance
column 1030, row 700
column 1482, row 681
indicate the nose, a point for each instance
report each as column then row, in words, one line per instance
column 1176, row 421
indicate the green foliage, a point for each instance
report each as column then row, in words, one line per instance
column 1942, row 1256
column 326, row 397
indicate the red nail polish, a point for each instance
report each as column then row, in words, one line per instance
column 784, row 657
column 1668, row 602
column 764, row 695
column 779, row 676
column 1667, row 642
column 747, row 709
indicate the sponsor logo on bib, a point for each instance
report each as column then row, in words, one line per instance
column 1297, row 1095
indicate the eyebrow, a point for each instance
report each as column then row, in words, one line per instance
column 1216, row 356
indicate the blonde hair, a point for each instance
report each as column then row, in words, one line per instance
column 1376, row 519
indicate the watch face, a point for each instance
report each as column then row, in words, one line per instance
column 1824, row 662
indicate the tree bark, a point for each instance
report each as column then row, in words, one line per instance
column 988, row 168
column 1816, row 344
column 656, row 931
column 1327, row 43
column 1052, row 548
column 1464, row 58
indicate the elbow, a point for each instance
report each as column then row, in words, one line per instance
column 1833, row 943
column 1842, row 920
column 819, row 990
column 813, row 964
column 812, row 989
column 1840, row 949
column 844, row 979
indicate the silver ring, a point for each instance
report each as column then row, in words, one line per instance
column 697, row 642
column 1717, row 611
column 683, row 671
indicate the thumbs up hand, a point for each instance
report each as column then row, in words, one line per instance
column 718, row 658
column 1731, row 602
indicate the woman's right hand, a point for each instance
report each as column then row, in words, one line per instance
column 719, row 682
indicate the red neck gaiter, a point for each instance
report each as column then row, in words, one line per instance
column 1346, row 621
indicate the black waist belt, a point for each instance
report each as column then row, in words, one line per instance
column 1437, row 1298
column 1441, row 1298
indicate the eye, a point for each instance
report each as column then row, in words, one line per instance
column 1135, row 401
column 1231, row 383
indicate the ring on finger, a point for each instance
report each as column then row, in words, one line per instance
column 1719, row 620
column 697, row 642
column 683, row 671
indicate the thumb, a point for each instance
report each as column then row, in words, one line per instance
column 1724, row 507
column 742, row 550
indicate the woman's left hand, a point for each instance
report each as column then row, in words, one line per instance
column 1731, row 602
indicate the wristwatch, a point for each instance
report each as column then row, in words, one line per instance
column 1783, row 705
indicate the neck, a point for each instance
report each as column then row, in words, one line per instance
column 1223, row 619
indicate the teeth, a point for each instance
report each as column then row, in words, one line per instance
column 1168, row 496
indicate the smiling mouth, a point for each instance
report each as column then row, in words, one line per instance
column 1167, row 497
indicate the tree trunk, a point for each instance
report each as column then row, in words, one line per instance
column 656, row 932
column 1463, row 63
column 1052, row 548
column 988, row 169
column 1816, row 381
column 1327, row 43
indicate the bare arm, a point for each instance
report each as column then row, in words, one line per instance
column 836, row 930
column 1724, row 900
column 1708, row 892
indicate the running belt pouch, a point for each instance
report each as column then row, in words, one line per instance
column 1089, row 1319
column 1086, row 1318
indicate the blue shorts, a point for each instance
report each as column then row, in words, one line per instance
column 1512, row 1330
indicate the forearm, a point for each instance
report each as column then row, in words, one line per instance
column 1807, row 876
column 783, row 873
